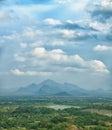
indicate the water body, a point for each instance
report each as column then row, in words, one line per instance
column 61, row 107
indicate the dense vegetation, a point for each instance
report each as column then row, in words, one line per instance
column 27, row 113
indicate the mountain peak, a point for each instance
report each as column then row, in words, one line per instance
column 48, row 81
column 50, row 87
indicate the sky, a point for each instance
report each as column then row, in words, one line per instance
column 63, row 40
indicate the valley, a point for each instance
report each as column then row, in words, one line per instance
column 55, row 113
column 50, row 105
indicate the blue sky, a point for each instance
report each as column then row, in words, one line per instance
column 63, row 40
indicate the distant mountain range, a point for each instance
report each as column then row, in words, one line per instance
column 52, row 88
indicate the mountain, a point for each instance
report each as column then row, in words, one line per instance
column 102, row 92
column 74, row 89
column 63, row 94
column 30, row 89
column 49, row 87
column 52, row 88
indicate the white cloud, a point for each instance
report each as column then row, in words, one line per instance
column 73, row 69
column 107, row 4
column 36, row 44
column 30, row 33
column 104, row 28
column 39, row 35
column 98, row 67
column 70, row 21
column 52, row 21
column 67, row 33
column 18, row 72
column 39, row 52
column 103, row 48
column 19, row 58
column 63, row 1
column 57, row 43
column 57, row 51
column 3, row 15
column 33, row 29
column 23, row 45
column 101, row 11
column 79, row 5
column 58, row 57
column 92, row 67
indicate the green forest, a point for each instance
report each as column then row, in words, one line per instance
column 55, row 113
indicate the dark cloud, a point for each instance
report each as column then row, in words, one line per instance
column 109, row 37
column 101, row 15
column 85, row 37
column 101, row 12
column 71, row 26
column 75, row 26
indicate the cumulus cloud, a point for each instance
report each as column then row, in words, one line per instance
column 52, row 21
column 68, row 33
column 57, row 57
column 39, row 52
column 27, row 34
column 101, row 17
column 55, row 36
column 107, row 4
column 92, row 67
column 17, row 72
column 30, row 33
column 103, row 48
column 19, row 58
column 98, row 67
column 101, row 27
column 61, row 34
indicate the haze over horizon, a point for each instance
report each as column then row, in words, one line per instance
column 63, row 40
